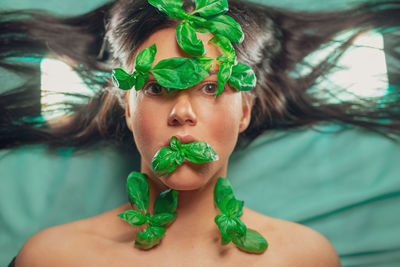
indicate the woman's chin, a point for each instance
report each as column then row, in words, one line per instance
column 187, row 177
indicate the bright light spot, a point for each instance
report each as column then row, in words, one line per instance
column 58, row 82
column 361, row 70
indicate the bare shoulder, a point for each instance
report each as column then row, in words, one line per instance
column 292, row 244
column 61, row 245
column 46, row 247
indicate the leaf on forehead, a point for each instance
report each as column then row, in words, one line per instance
column 242, row 77
column 207, row 8
column 199, row 152
column 172, row 8
column 141, row 79
column 188, row 41
column 228, row 27
column 179, row 73
column 145, row 58
column 200, row 24
column 122, row 80
column 138, row 189
column 205, row 62
column 225, row 45
column 224, row 73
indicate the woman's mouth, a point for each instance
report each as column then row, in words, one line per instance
column 183, row 139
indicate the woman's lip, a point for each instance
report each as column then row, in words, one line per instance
column 183, row 139
column 186, row 139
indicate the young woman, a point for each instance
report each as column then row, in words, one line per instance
column 275, row 41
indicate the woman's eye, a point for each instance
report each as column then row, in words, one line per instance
column 153, row 89
column 210, row 89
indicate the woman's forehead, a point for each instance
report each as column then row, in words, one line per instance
column 168, row 47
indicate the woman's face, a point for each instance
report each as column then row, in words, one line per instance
column 194, row 114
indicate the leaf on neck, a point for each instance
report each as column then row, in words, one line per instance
column 166, row 201
column 150, row 237
column 138, row 190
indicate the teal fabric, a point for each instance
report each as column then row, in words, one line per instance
column 345, row 185
column 41, row 189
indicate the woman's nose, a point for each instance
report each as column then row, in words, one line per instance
column 182, row 112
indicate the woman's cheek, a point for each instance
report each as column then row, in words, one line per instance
column 225, row 128
column 145, row 128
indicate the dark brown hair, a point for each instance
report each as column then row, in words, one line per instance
column 276, row 42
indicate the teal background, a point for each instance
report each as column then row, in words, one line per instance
column 345, row 185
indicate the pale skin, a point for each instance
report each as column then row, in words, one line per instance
column 193, row 239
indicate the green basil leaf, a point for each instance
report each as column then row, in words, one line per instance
column 205, row 62
column 240, row 228
column 164, row 161
column 207, row 8
column 200, row 24
column 178, row 72
column 228, row 27
column 225, row 45
column 180, row 157
column 227, row 227
column 172, row 8
column 199, row 152
column 234, row 208
column 224, row 73
column 162, row 219
column 122, row 80
column 138, row 189
column 144, row 60
column 252, row 242
column 223, row 193
column 242, row 77
column 150, row 237
column 188, row 41
column 141, row 79
column 175, row 143
column 133, row 217
column 167, row 201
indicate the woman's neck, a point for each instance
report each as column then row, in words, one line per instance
column 195, row 211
